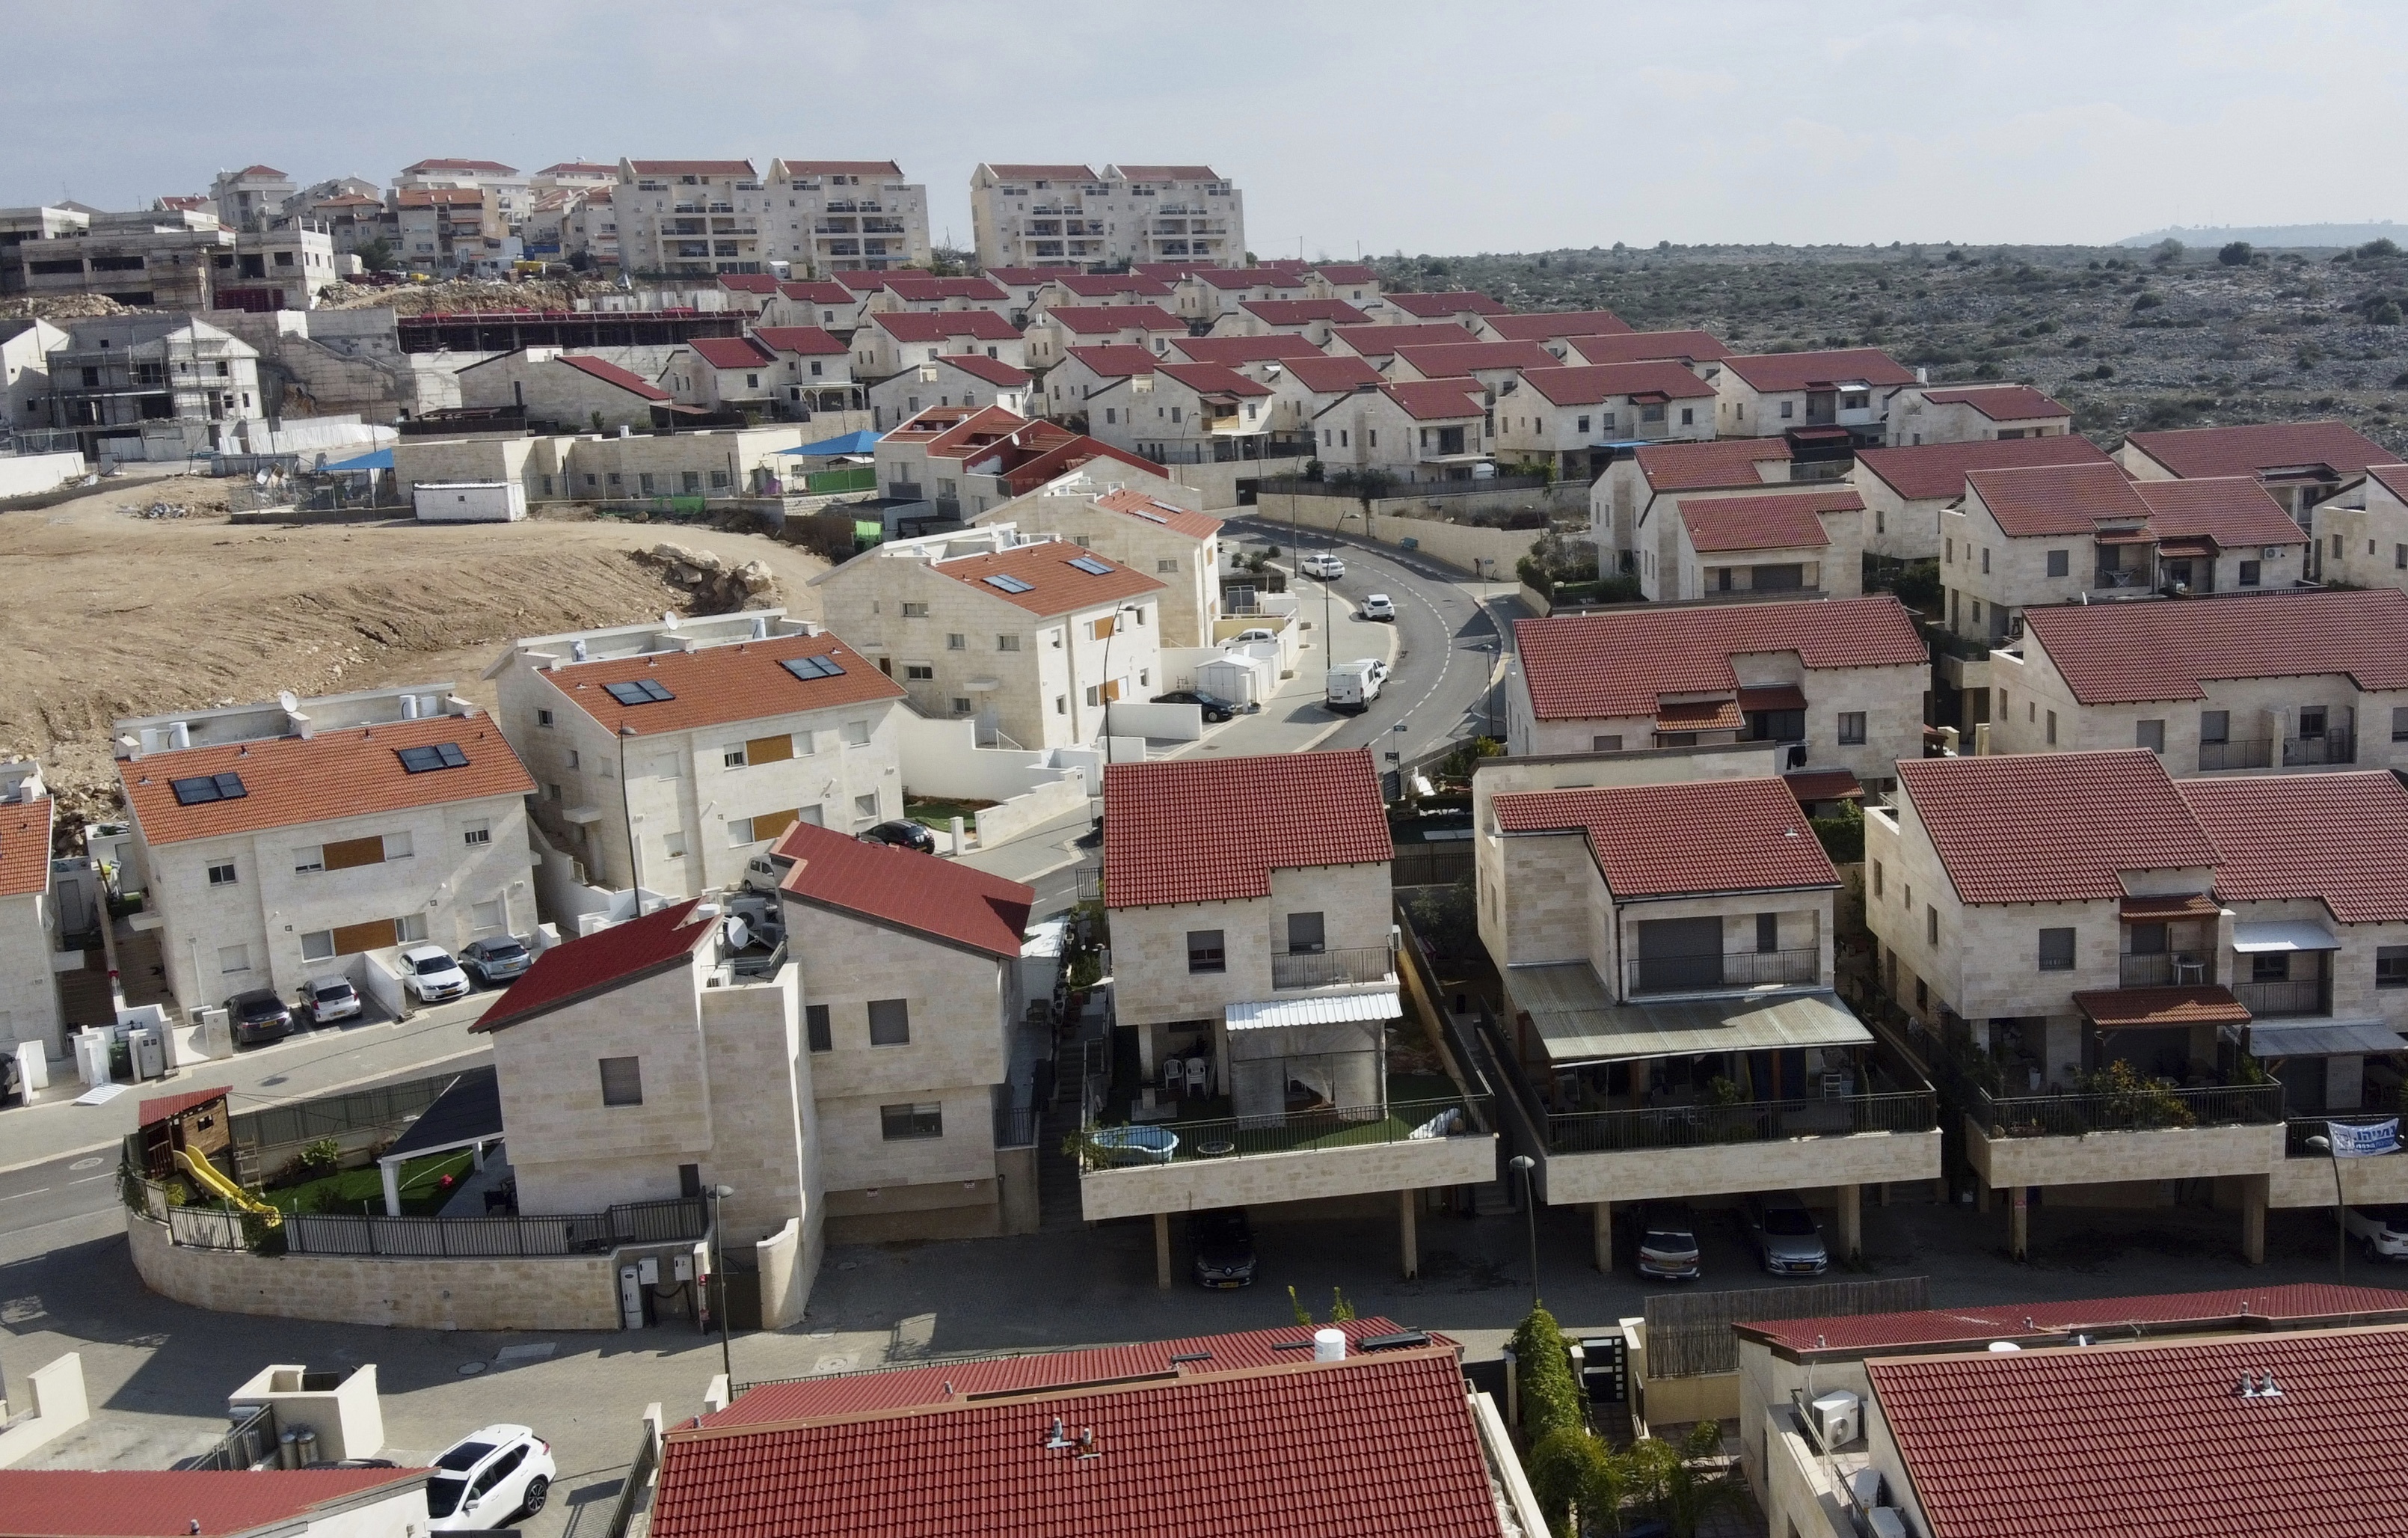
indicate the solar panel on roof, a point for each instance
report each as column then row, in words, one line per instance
column 1093, row 568
column 437, row 756
column 807, row 669
column 1008, row 584
column 641, row 691
column 201, row 789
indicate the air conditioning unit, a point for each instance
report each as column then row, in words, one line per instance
column 1838, row 1418
column 2270, row 552
column 1888, row 1522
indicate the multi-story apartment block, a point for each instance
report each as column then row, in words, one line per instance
column 1848, row 391
column 158, row 260
column 1033, row 640
column 30, row 934
column 1839, row 683
column 512, row 193
column 1906, row 490
column 1145, row 526
column 1575, row 419
column 845, row 216
column 1667, row 948
column 1028, row 215
column 39, row 222
column 2302, row 464
column 1806, row 540
column 1972, row 413
column 443, row 229
column 139, row 379
column 686, row 216
column 275, row 842
column 251, row 198
column 667, row 756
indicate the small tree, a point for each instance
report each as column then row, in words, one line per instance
column 2166, row 253
column 2236, row 253
column 1673, row 1482
column 1542, row 1360
column 377, row 255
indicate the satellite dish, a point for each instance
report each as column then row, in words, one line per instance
column 288, row 700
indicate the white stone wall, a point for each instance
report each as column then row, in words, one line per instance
column 1189, row 569
column 29, row 991
column 1263, row 1179
column 552, row 391
column 1150, row 944
column 2366, row 546
column 1795, row 1163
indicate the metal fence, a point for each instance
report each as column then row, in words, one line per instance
column 1402, row 488
column 1232, row 1137
column 2151, row 1107
column 252, row 1443
column 1690, row 1333
column 1016, row 1127
column 437, row 1238
column 207, row 1228
column 1431, row 864
column 635, row 1491
column 1751, row 1121
column 1329, row 968
column 389, row 1106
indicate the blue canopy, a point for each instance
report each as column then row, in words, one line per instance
column 381, row 460
column 851, row 443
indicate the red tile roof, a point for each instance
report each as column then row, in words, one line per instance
column 1347, row 272
column 494, row 165
column 741, row 169
column 1777, row 521
column 749, row 283
column 1212, row 378
column 2392, row 478
column 943, row 327
column 1325, row 376
column 1647, row 346
column 1205, row 830
column 1779, row 371
column 842, row 167
column 809, row 340
column 2160, row 1008
column 1234, row 350
column 903, row 888
column 718, row 685
column 1597, row 383
column 1435, row 400
column 2290, row 1306
column 858, row 281
column 2122, row 652
column 1585, row 666
column 259, row 170
column 2052, row 499
column 825, row 291
column 173, row 1502
column 1709, row 467
column 25, row 847
column 1936, row 471
column 1457, row 301
column 571, row 166
column 1136, row 504
column 732, row 352
column 291, row 781
column 576, row 970
column 1551, row 324
column 2002, row 402
column 1055, row 585
column 1169, row 173
column 1304, row 312
column 1030, row 277
column 1381, row 1441
column 1458, row 360
column 1104, row 285
column 1102, row 320
column 1823, row 786
column 1115, row 360
column 161, row 1107
column 921, row 288
column 2263, row 449
column 1679, row 840
column 2340, row 839
column 1044, row 173
column 1380, row 342
column 1235, row 279
column 2156, row 1441
column 992, row 370
column 2233, row 511
column 2053, row 827
column 611, row 373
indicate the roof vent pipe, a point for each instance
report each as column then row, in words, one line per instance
column 1330, row 1345
column 179, row 734
column 409, row 706
column 576, row 651
column 760, row 627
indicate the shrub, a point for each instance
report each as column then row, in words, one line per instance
column 321, row 1157
column 1568, row 1466
column 1550, row 1397
column 2147, row 301
column 2381, row 246
column 1844, row 836
column 2236, row 253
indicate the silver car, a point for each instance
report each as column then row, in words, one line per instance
column 496, row 961
column 1787, row 1237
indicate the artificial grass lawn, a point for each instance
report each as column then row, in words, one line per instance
column 1318, row 1128
column 939, row 813
column 422, row 1193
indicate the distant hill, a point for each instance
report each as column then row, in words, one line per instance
column 2277, row 235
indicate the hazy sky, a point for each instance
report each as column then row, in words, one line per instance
column 1395, row 124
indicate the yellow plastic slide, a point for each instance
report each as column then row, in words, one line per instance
column 219, row 1185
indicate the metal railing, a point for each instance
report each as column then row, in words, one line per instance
column 2304, row 996
column 2164, row 969
column 1342, row 1126
column 2297, row 1132
column 2147, row 1108
column 1750, row 1121
column 2331, row 748
column 430, row 1238
column 1331, row 969
column 1016, row 1127
column 207, row 1228
column 1734, row 969
column 2237, row 754
column 252, row 1443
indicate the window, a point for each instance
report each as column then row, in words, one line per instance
column 890, row 1022
column 2150, row 735
column 478, row 834
column 2400, row 723
column 409, row 929
column 1305, row 934
column 318, row 945
column 956, row 641
column 1007, row 643
column 1605, row 744
column 919, row 673
column 815, row 1027
column 1789, row 409
column 2311, row 722
column 485, row 916
column 2249, row 573
column 1205, row 952
column 2056, row 950
column 543, row 718
column 739, row 832
column 1767, row 932
column 2060, row 563
column 1061, row 704
column 2052, row 728
column 397, row 846
column 924, row 1119
column 1851, row 728
column 915, row 611
column 575, row 761
column 1986, row 560
column 2147, row 939
column 2215, row 725
column 864, row 807
column 233, row 959
column 857, row 734
column 1930, row 925
column 1166, row 565
column 1877, row 878
column 2399, row 557
column 221, row 875
column 623, row 1081
column 1947, row 551
column 2336, row 547
column 2391, row 966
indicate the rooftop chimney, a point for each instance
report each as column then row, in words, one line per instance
column 1330, row 1345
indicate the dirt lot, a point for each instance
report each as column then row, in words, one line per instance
column 106, row 614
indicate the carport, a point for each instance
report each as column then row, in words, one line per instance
column 467, row 1114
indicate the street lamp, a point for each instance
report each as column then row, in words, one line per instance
column 2323, row 1144
column 718, row 1276
column 1525, row 1163
column 1104, row 690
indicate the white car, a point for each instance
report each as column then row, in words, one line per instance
column 431, row 975
column 489, row 1479
column 329, row 999
column 1244, row 636
column 1323, row 564
column 2381, row 1232
column 1379, row 606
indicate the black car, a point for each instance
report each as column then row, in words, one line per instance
column 1224, row 1242
column 1216, row 709
column 902, row 835
column 258, row 1016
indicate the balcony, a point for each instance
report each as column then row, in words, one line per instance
column 1749, row 1121
column 2165, row 970
column 2148, row 1106
column 2271, row 999
column 2246, row 753
column 2337, row 747
column 1731, row 970
column 1333, row 969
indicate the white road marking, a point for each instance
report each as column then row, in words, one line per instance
column 36, row 1191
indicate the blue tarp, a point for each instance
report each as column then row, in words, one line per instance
column 381, row 460
column 851, row 443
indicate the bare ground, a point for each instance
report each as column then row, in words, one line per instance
column 105, row 614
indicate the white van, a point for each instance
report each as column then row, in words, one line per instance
column 1352, row 685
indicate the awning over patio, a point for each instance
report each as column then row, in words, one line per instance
column 2180, row 905
column 468, row 1112
column 1823, row 786
column 2159, row 1009
column 2281, row 935
column 2322, row 1038
column 1320, row 1009
column 1699, row 716
column 1771, row 696
column 1580, row 1023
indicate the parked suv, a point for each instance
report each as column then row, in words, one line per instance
column 2381, row 1232
column 258, row 1016
column 1664, row 1238
column 1214, row 708
column 489, row 1479
column 495, row 960
column 1787, row 1237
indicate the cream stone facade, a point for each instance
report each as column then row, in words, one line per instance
column 560, row 394
column 1633, row 519
column 1832, row 568
column 2366, row 545
column 29, row 914
column 1178, row 551
column 944, row 382
column 1915, row 417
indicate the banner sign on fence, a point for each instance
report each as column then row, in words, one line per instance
column 2382, row 1137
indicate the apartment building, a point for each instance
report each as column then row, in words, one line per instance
column 2085, row 533
column 1029, row 215
column 162, row 259
column 513, row 191
column 844, row 216
column 1806, row 540
column 251, row 198
column 2364, row 542
column 590, row 226
column 1668, row 953
column 130, row 384
column 29, row 916
column 688, row 217
column 2303, row 679
column 1574, row 420
column 1839, row 683
column 1849, row 391
column 1434, row 429
column 1697, row 350
column 666, row 757
column 1905, row 490
column 888, row 343
column 1968, row 413
column 1052, row 332
column 444, row 229
column 2302, row 464
column 1032, row 639
column 967, row 379
column 1184, row 414
column 1633, row 506
column 1147, row 525
column 40, row 222
column 277, row 842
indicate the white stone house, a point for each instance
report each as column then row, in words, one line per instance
column 2302, row 464
column 1181, row 412
column 2365, row 537
column 1770, row 393
column 573, row 391
column 1905, row 490
column 1634, row 505
column 1698, row 351
column 1425, row 430
column 967, row 459
column 822, row 302
column 1378, row 343
column 1553, row 328
column 724, row 374
column 888, row 343
column 664, row 758
column 1099, row 289
column 1310, row 319
column 1144, row 524
column 1573, row 419
column 1807, row 540
column 966, row 380
column 1493, row 366
column 1255, row 357
column 1053, row 334
column 277, row 843
column 29, row 916
column 1084, row 371
column 1304, row 387
column 1965, row 413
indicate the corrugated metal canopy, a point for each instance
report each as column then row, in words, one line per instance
column 1320, row 1009
column 1580, row 1023
column 2281, row 935
column 2322, row 1037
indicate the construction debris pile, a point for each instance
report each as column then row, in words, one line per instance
column 717, row 587
column 464, row 294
